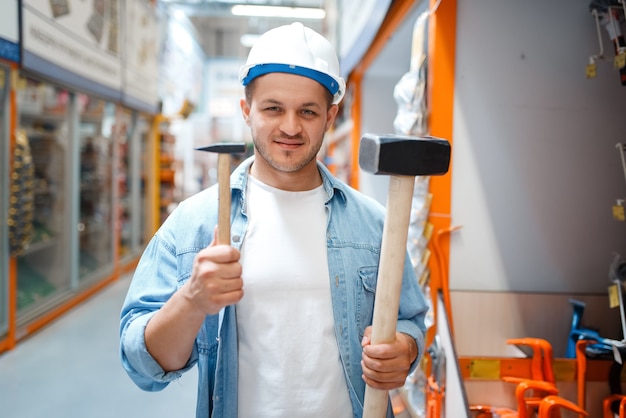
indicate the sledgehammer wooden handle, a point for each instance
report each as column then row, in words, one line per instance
column 389, row 285
column 403, row 158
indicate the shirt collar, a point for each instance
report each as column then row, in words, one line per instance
column 332, row 186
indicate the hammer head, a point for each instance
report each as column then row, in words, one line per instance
column 404, row 155
column 225, row 148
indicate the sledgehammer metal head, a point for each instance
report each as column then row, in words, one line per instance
column 404, row 155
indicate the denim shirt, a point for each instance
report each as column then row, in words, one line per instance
column 354, row 233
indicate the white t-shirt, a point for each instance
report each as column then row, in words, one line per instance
column 289, row 363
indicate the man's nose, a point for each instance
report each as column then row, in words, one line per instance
column 290, row 124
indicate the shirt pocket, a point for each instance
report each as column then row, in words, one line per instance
column 185, row 262
column 365, row 297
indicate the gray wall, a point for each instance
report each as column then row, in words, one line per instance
column 536, row 169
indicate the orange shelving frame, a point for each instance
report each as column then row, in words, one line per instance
column 441, row 67
column 10, row 340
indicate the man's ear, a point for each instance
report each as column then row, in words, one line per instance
column 245, row 110
column 330, row 116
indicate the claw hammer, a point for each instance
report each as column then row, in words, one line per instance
column 224, row 151
column 403, row 158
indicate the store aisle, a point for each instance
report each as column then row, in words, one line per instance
column 71, row 369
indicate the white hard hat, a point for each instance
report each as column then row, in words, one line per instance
column 295, row 49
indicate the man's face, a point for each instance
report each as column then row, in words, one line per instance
column 288, row 116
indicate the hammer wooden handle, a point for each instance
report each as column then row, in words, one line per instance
column 223, row 180
column 389, row 284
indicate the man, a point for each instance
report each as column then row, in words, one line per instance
column 278, row 321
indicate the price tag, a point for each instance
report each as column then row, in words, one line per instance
column 565, row 370
column 620, row 60
column 618, row 213
column 485, row 369
column 591, row 70
column 613, row 296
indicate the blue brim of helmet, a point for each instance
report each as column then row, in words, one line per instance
column 261, row 69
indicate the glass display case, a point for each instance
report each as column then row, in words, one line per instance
column 167, row 173
column 123, row 156
column 143, row 163
column 95, row 226
column 131, row 136
column 4, row 201
column 73, row 197
column 40, row 199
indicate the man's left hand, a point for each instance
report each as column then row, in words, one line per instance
column 386, row 366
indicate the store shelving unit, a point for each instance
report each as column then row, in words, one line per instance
column 167, row 175
column 140, row 169
column 95, row 224
column 43, row 276
column 123, row 160
column 83, row 129
column 83, row 195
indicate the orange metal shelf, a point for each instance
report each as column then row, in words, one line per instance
column 494, row 368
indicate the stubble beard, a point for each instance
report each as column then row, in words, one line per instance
column 287, row 161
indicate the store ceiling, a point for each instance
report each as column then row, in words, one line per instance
column 220, row 32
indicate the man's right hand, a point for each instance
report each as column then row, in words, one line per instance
column 215, row 279
column 215, row 282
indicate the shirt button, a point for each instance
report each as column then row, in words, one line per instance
column 236, row 238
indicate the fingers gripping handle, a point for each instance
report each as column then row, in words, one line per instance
column 389, row 285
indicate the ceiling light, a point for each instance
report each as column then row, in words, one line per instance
column 279, row 11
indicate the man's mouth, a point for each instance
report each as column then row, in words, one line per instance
column 288, row 143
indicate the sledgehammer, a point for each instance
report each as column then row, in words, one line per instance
column 403, row 158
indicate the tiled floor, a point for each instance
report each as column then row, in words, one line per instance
column 71, row 369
